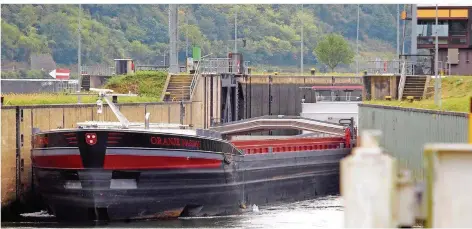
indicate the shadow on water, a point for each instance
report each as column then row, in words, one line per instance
column 321, row 212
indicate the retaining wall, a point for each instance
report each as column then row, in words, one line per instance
column 405, row 131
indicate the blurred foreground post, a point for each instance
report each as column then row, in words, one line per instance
column 368, row 185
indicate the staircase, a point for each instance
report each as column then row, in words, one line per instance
column 179, row 87
column 85, row 83
column 414, row 86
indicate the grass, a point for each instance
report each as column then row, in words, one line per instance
column 455, row 96
column 50, row 98
column 147, row 84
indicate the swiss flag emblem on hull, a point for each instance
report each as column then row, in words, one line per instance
column 91, row 138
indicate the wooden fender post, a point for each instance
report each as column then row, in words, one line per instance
column 470, row 122
column 368, row 185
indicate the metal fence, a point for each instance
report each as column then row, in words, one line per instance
column 405, row 131
column 221, row 65
column 38, row 85
column 98, row 70
column 393, row 67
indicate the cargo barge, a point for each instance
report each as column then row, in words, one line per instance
column 130, row 171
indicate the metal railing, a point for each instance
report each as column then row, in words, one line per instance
column 194, row 80
column 394, row 67
column 401, row 85
column 222, row 65
column 98, row 70
column 160, row 68
column 152, row 68
column 340, row 98
column 216, row 65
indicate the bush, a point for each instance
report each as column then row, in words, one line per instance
column 145, row 83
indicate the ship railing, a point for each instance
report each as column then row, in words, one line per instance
column 340, row 98
column 218, row 124
column 105, row 124
column 292, row 148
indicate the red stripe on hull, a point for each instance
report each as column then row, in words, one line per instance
column 157, row 162
column 58, row 161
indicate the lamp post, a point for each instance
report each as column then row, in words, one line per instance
column 235, row 32
column 79, row 58
column 186, row 37
column 357, row 41
column 437, row 82
column 398, row 30
column 301, row 45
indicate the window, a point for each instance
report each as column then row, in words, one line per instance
column 427, row 29
column 458, row 27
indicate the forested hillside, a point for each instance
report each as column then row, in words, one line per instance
column 272, row 32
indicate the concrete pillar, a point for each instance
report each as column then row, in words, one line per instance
column 173, row 38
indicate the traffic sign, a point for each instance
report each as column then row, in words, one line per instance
column 60, row 73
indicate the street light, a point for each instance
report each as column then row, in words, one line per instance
column 437, row 82
column 301, row 45
column 357, row 40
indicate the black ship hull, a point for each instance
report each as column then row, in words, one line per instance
column 165, row 181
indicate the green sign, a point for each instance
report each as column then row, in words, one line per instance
column 196, row 53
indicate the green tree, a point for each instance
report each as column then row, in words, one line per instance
column 272, row 32
column 333, row 50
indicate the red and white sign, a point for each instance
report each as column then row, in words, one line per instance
column 60, row 73
column 91, row 138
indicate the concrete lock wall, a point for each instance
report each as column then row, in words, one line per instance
column 16, row 145
column 287, row 94
column 405, row 131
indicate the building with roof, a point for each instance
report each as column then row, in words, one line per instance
column 454, row 35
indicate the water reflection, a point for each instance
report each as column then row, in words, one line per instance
column 326, row 212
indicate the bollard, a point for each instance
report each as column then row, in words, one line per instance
column 448, row 185
column 368, row 184
column 146, row 120
column 167, row 96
